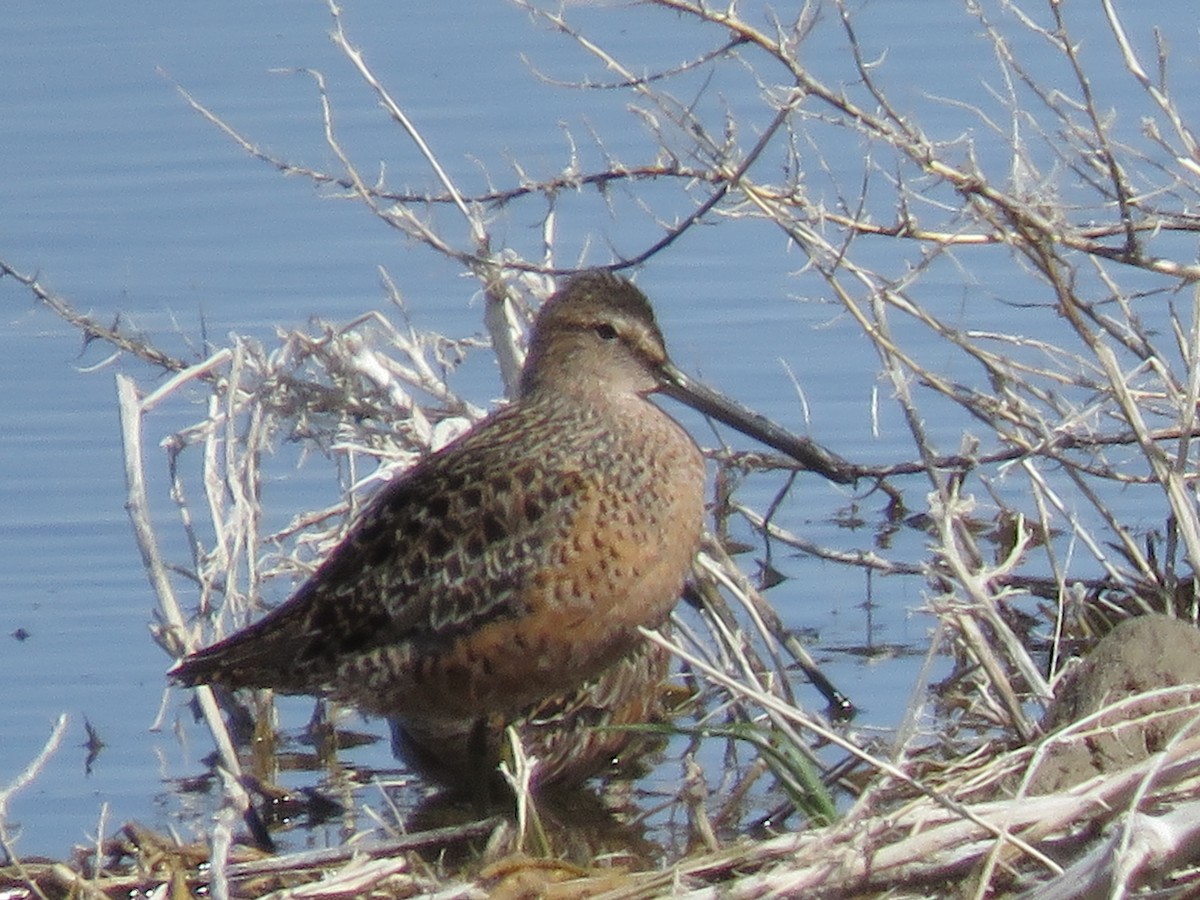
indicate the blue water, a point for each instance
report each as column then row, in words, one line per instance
column 128, row 203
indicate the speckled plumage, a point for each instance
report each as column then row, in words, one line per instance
column 515, row 565
column 504, row 578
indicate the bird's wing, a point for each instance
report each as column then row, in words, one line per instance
column 448, row 546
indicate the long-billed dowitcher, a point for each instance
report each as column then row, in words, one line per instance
column 509, row 572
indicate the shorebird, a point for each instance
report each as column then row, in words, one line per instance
column 504, row 578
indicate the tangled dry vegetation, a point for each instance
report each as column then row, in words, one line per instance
column 1089, row 395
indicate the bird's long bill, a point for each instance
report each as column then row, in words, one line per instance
column 703, row 399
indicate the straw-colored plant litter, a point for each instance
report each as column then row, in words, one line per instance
column 1016, row 771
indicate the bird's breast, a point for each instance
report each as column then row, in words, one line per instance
column 594, row 526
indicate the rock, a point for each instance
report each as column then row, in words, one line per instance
column 1139, row 655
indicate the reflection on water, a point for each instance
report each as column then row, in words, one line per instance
column 632, row 817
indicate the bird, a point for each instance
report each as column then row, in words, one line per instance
column 504, row 579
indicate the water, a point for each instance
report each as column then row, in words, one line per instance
column 128, row 203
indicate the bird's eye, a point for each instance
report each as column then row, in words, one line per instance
column 605, row 332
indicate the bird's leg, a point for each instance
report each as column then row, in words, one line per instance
column 479, row 770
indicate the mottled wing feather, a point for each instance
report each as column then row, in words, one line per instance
column 443, row 549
